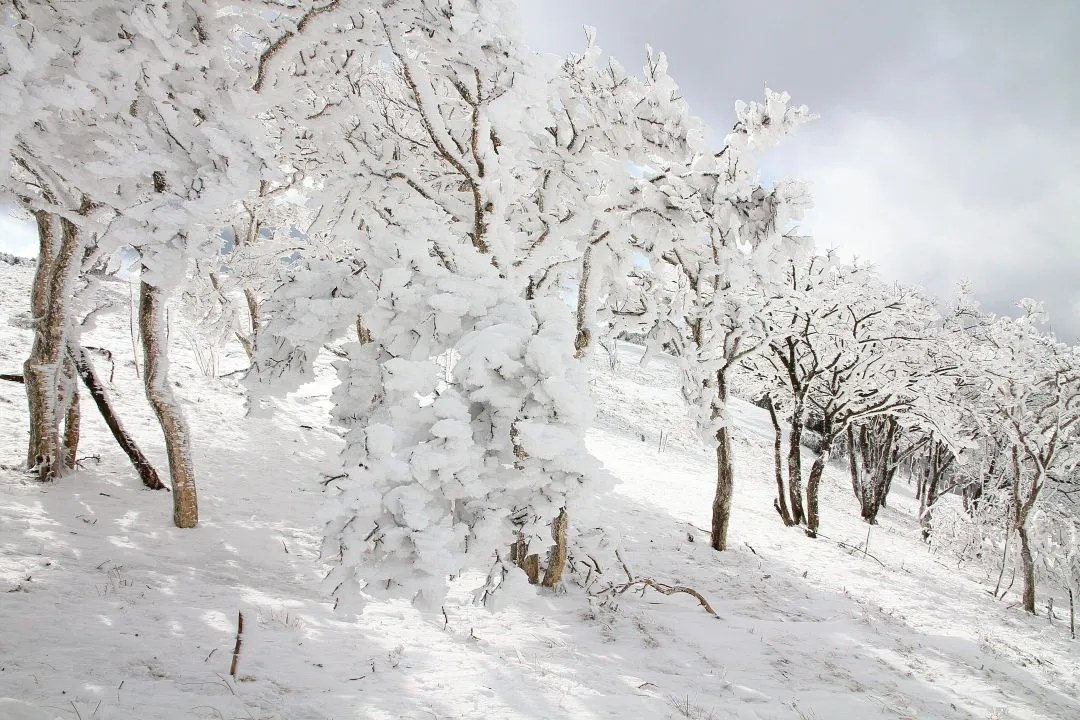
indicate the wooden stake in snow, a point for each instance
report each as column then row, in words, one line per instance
column 236, row 648
column 1072, row 615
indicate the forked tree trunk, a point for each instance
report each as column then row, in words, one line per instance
column 778, row 464
column 43, row 369
column 872, row 461
column 158, row 392
column 142, row 465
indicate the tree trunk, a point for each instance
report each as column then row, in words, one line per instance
column 1028, row 568
column 520, row 556
column 1072, row 614
column 814, row 482
column 42, row 371
column 1021, row 511
column 872, row 461
column 72, row 415
column 557, row 556
column 582, row 315
column 142, row 465
column 778, row 464
column 725, row 489
column 248, row 341
column 725, row 472
column 156, row 383
column 795, row 464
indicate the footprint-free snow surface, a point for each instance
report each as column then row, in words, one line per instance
column 108, row 612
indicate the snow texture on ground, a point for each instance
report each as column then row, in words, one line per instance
column 109, row 612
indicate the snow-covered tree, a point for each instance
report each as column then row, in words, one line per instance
column 451, row 152
column 727, row 236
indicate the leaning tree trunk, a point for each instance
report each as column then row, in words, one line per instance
column 142, row 465
column 43, row 369
column 156, row 383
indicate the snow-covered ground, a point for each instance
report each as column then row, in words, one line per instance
column 108, row 612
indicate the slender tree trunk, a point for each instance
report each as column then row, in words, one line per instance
column 725, row 473
column 1072, row 614
column 248, row 341
column 158, row 392
column 853, row 465
column 778, row 464
column 142, row 465
column 795, row 464
column 582, row 315
column 813, row 484
column 72, row 416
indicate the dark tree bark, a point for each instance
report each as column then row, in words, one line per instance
column 813, row 483
column 725, row 474
column 795, row 464
column 872, row 461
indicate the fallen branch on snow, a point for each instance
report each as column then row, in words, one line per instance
column 643, row 582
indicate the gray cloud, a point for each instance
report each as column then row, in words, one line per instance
column 949, row 141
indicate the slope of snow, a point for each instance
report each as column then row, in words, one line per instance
column 109, row 612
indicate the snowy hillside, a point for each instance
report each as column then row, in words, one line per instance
column 110, row 612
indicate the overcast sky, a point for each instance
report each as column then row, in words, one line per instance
column 948, row 145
